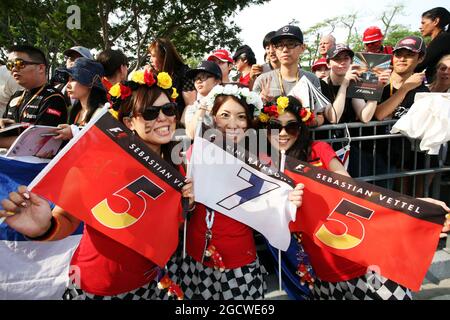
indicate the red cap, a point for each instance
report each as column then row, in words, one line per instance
column 319, row 63
column 221, row 54
column 372, row 34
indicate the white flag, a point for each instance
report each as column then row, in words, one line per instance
column 229, row 183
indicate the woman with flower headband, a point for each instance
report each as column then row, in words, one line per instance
column 226, row 266
column 106, row 268
column 345, row 279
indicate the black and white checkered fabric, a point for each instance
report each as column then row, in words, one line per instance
column 370, row 286
column 146, row 292
column 203, row 283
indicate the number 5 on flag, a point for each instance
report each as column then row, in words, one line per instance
column 135, row 194
column 347, row 214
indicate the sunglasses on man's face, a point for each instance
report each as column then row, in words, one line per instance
column 292, row 128
column 151, row 113
column 19, row 64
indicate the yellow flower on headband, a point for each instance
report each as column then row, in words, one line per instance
column 138, row 76
column 115, row 90
column 174, row 94
column 283, row 102
column 263, row 117
column 164, row 80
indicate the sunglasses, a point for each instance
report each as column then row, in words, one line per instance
column 19, row 64
column 151, row 113
column 292, row 128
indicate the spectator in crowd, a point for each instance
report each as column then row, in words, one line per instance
column 86, row 88
column 8, row 86
column 441, row 81
column 270, row 58
column 244, row 58
column 397, row 99
column 223, row 58
column 321, row 68
column 165, row 58
column 435, row 24
column 76, row 52
column 109, row 270
column 39, row 103
column 326, row 42
column 206, row 76
column 373, row 41
column 115, row 65
column 288, row 42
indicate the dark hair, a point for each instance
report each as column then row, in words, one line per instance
column 268, row 38
column 165, row 49
column 221, row 99
column 97, row 98
column 246, row 53
column 36, row 54
column 442, row 14
column 301, row 149
column 112, row 60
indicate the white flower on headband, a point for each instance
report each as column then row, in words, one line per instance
column 241, row 93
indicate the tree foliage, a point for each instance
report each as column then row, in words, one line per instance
column 195, row 26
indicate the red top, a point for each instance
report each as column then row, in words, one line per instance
column 232, row 239
column 327, row 266
column 107, row 267
column 245, row 80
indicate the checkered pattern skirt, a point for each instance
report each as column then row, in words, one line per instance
column 370, row 286
column 199, row 282
column 146, row 292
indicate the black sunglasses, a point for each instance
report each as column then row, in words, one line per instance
column 291, row 128
column 19, row 64
column 151, row 113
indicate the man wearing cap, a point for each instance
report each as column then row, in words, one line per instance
column 39, row 103
column 320, row 68
column 288, row 43
column 224, row 60
column 76, row 52
column 270, row 56
column 398, row 96
column 335, row 87
column 325, row 44
column 206, row 76
column 373, row 41
column 244, row 58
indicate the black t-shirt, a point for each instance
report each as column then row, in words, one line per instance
column 41, row 106
column 406, row 104
column 330, row 91
column 438, row 47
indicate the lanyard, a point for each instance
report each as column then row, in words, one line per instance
column 29, row 101
column 209, row 219
column 280, row 79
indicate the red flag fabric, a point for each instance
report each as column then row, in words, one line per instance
column 394, row 234
column 108, row 178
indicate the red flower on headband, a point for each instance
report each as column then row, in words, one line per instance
column 149, row 78
column 125, row 92
column 306, row 116
column 271, row 111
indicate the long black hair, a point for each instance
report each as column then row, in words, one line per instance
column 97, row 98
column 442, row 14
column 301, row 149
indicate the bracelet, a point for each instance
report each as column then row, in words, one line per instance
column 49, row 233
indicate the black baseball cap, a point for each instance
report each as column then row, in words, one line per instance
column 412, row 43
column 208, row 67
column 288, row 32
column 244, row 50
column 268, row 38
column 338, row 48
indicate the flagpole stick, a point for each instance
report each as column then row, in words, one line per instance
column 189, row 175
column 282, row 164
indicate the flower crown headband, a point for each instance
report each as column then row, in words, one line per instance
column 122, row 90
column 276, row 110
column 251, row 98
